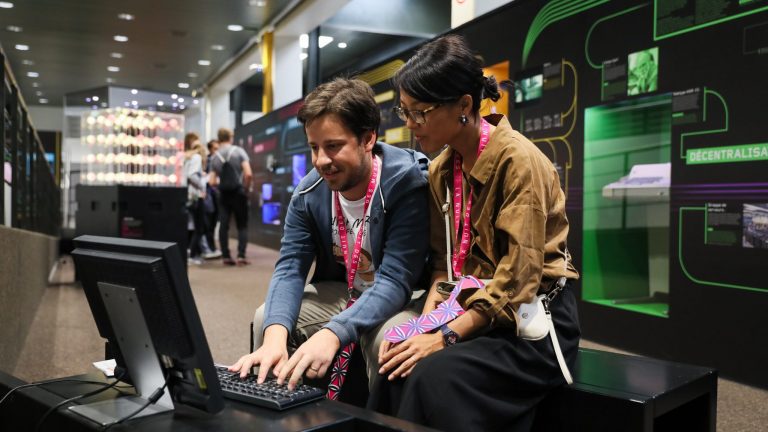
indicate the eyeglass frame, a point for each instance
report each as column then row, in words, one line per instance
column 406, row 113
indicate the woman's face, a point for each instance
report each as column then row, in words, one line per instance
column 441, row 126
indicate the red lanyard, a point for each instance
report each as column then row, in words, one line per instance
column 461, row 255
column 355, row 260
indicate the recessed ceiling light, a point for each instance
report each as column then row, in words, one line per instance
column 13, row 28
column 174, row 96
column 34, row 84
column 110, row 80
column 134, row 103
column 125, row 16
column 182, row 106
column 342, row 45
column 113, row 68
column 27, row 62
column 174, row 104
column 192, row 75
column 217, row 47
column 6, row 5
column 196, row 101
column 95, row 98
column 256, row 67
column 235, row 27
column 204, row 62
column 258, row 3
column 183, row 85
column 303, row 56
column 116, row 55
column 160, row 103
column 134, row 91
column 39, row 93
column 180, row 100
column 33, row 74
column 43, row 100
column 304, row 41
column 120, row 38
column 322, row 41
column 22, row 47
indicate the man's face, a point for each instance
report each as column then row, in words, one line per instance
column 338, row 155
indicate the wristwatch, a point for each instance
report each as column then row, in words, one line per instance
column 450, row 337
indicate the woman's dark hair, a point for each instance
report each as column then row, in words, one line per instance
column 443, row 71
column 351, row 99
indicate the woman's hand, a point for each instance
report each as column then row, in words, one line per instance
column 433, row 299
column 404, row 356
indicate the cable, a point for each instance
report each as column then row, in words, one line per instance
column 156, row 395
column 53, row 381
column 40, row 422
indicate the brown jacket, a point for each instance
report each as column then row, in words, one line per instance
column 519, row 226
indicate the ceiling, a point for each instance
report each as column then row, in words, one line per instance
column 71, row 42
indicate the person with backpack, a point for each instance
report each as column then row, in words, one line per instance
column 231, row 173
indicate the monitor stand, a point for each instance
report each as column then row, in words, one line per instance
column 140, row 357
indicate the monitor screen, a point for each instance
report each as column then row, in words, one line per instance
column 142, row 303
column 299, row 165
column 529, row 87
column 266, row 191
column 270, row 213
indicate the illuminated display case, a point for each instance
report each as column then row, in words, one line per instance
column 131, row 147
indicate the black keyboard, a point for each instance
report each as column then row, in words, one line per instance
column 267, row 394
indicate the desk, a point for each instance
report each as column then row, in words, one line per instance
column 23, row 409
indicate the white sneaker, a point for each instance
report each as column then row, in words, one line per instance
column 194, row 261
column 212, row 254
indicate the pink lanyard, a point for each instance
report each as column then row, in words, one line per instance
column 355, row 260
column 458, row 191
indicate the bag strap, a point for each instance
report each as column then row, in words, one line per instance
column 446, row 208
column 558, row 352
column 229, row 155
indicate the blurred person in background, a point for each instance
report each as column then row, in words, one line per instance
column 211, row 209
column 231, row 173
column 195, row 179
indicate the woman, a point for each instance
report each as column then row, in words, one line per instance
column 509, row 228
column 195, row 179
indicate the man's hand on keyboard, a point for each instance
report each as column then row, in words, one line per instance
column 273, row 354
column 314, row 356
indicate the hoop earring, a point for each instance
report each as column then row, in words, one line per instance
column 463, row 119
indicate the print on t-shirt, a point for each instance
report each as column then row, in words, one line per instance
column 353, row 218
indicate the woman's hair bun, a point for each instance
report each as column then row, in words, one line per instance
column 490, row 88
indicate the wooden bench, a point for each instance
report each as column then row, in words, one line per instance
column 617, row 392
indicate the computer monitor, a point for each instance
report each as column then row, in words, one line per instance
column 140, row 298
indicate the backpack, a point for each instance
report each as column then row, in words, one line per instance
column 229, row 180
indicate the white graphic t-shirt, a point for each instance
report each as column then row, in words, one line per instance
column 355, row 221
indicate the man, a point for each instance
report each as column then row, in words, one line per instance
column 381, row 192
column 233, row 200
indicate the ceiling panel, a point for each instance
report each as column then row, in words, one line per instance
column 71, row 42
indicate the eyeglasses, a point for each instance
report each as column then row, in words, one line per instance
column 418, row 116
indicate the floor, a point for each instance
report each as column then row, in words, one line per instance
column 64, row 340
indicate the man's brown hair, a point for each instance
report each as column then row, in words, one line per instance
column 351, row 99
column 224, row 135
